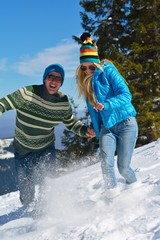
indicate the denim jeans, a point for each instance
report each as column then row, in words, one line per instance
column 32, row 169
column 120, row 139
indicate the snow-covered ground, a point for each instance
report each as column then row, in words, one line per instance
column 75, row 207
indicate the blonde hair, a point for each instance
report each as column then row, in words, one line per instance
column 84, row 83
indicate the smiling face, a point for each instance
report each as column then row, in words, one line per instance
column 53, row 82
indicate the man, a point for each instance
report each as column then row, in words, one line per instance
column 39, row 109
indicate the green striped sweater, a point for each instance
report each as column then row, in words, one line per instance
column 36, row 118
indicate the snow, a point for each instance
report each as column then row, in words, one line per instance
column 75, row 207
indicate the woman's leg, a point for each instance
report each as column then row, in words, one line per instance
column 107, row 152
column 127, row 132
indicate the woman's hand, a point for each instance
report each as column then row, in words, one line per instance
column 90, row 133
column 98, row 106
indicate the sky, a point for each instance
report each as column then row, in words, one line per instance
column 35, row 34
column 75, row 206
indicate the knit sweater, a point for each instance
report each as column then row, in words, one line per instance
column 37, row 115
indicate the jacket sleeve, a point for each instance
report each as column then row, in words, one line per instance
column 121, row 93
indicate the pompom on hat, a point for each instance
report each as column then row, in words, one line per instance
column 88, row 50
column 54, row 68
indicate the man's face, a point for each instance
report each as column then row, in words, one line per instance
column 53, row 82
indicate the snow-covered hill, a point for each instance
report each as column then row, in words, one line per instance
column 75, row 207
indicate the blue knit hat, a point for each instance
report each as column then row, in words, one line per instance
column 88, row 50
column 54, row 68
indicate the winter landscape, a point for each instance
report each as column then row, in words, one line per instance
column 75, row 207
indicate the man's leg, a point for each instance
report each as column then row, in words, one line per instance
column 25, row 177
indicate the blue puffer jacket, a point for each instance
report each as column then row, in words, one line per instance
column 111, row 90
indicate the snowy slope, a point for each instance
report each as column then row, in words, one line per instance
column 75, row 207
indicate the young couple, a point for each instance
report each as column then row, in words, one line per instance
column 40, row 108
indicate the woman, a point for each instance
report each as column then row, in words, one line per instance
column 112, row 114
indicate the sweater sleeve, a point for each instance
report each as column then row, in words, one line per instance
column 8, row 103
column 73, row 124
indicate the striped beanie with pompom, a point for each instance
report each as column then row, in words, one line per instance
column 88, row 50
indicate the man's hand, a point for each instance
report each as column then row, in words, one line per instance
column 90, row 133
column 98, row 106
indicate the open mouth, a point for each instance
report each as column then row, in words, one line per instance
column 52, row 86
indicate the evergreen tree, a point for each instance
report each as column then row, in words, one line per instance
column 76, row 147
column 144, row 38
column 128, row 33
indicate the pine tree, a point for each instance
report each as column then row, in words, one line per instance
column 76, row 147
column 144, row 38
column 128, row 33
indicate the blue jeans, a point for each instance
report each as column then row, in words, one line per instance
column 121, row 138
column 32, row 169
